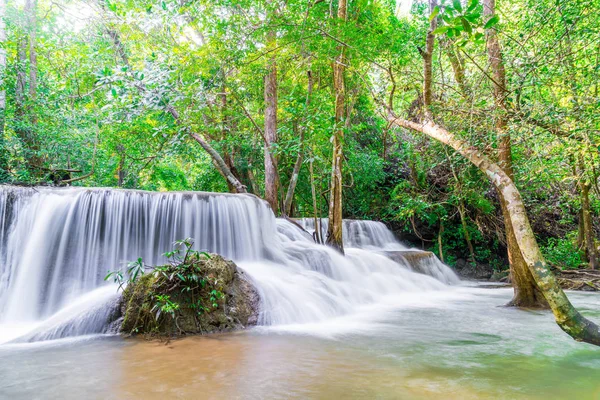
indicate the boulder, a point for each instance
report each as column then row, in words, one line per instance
column 203, row 295
column 478, row 271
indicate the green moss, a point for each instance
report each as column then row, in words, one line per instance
column 201, row 296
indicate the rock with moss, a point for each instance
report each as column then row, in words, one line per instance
column 200, row 295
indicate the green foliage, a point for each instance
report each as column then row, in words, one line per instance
column 184, row 277
column 563, row 252
column 102, row 106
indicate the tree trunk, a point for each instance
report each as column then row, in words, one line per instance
column 457, row 66
column 270, row 93
column 567, row 317
column 317, row 233
column 334, row 228
column 22, row 126
column 287, row 204
column 252, row 179
column 467, row 235
column 121, row 167
column 586, row 220
column 440, row 246
column 289, row 196
column 526, row 293
column 428, row 62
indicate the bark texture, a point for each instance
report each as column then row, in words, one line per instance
column 526, row 292
column 586, row 226
column 334, row 229
column 567, row 317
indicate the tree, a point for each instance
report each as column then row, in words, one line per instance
column 567, row 317
column 271, row 175
column 526, row 293
column 334, row 228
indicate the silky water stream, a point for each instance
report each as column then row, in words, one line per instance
column 360, row 326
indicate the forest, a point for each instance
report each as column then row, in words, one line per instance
column 256, row 96
column 470, row 128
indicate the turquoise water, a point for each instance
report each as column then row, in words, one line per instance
column 458, row 344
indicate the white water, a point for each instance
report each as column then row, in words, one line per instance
column 58, row 244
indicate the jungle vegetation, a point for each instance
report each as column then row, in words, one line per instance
column 471, row 127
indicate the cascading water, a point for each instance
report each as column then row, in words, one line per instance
column 58, row 244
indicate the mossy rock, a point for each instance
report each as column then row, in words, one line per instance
column 235, row 309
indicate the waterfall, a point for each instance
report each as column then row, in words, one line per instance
column 57, row 244
column 358, row 233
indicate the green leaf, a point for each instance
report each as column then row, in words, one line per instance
column 466, row 25
column 434, row 13
column 457, row 5
column 473, row 18
column 441, row 30
column 491, row 22
column 472, row 5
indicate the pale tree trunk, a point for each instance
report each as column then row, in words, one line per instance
column 440, row 246
column 216, row 157
column 270, row 131
column 428, row 62
column 31, row 7
column 586, row 219
column 226, row 128
column 526, row 293
column 252, row 180
column 317, row 234
column 289, row 196
column 121, row 167
column 334, row 228
column 457, row 64
column 567, row 317
column 287, row 204
column 463, row 221
column 22, row 126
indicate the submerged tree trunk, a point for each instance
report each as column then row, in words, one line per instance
column 334, row 228
column 270, row 93
column 526, row 293
column 567, row 317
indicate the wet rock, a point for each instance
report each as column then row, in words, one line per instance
column 223, row 300
column 468, row 270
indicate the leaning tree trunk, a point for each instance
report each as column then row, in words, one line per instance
column 526, row 293
column 567, row 317
column 334, row 228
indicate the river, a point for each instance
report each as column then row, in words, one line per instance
column 455, row 344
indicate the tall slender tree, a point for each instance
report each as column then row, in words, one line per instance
column 335, row 226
